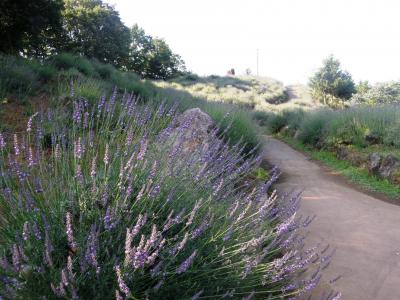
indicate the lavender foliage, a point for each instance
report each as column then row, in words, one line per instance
column 131, row 201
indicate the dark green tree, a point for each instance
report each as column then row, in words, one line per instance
column 29, row 26
column 152, row 57
column 94, row 29
column 330, row 82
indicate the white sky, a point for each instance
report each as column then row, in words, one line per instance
column 293, row 36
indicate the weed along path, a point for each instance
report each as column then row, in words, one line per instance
column 365, row 231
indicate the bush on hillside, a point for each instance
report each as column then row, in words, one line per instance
column 101, row 209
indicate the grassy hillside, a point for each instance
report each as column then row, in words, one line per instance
column 246, row 91
column 27, row 86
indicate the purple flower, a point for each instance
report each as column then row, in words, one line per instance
column 187, row 263
column 92, row 249
column 48, row 248
column 200, row 229
column 193, row 212
column 109, row 222
column 70, row 232
column 143, row 149
column 78, row 173
column 86, row 120
column 2, row 142
column 31, row 161
column 158, row 285
column 118, row 295
column 25, row 232
column 36, row 231
column 58, row 290
column 93, row 168
column 78, row 149
column 29, row 124
column 121, row 283
column 106, row 155
column 57, row 152
column 64, row 278
column 16, row 145
column 16, row 258
column 70, row 266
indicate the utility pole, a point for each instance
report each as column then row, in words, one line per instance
column 257, row 62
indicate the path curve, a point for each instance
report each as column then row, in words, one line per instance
column 364, row 230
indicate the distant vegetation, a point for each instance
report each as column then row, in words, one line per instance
column 381, row 93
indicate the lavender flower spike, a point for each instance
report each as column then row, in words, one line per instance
column 16, row 145
column 29, row 124
column 121, row 283
column 106, row 155
column 187, row 263
column 2, row 142
column 69, row 231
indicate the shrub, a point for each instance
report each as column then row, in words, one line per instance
column 276, row 122
column 65, row 61
column 104, row 70
column 107, row 211
column 16, row 77
column 313, row 127
column 261, row 117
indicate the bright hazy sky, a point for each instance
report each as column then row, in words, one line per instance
column 293, row 36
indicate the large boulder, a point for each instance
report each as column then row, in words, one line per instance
column 193, row 133
column 193, row 130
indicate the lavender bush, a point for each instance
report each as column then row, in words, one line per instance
column 114, row 207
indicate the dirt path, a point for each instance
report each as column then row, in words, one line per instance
column 364, row 230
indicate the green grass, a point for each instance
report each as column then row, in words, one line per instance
column 356, row 175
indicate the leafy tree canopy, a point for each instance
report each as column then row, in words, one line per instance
column 331, row 82
column 29, row 26
column 152, row 57
column 94, row 29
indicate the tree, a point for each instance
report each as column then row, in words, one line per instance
column 29, row 26
column 94, row 29
column 152, row 57
column 331, row 83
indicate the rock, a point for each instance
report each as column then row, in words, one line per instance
column 374, row 162
column 389, row 166
column 284, row 130
column 297, row 134
column 342, row 153
column 191, row 132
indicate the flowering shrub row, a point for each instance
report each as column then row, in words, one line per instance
column 115, row 207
